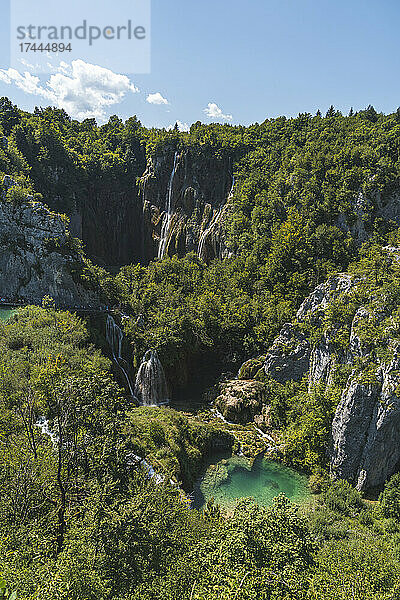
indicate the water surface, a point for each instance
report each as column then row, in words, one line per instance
column 6, row 313
column 228, row 479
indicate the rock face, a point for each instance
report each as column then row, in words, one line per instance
column 110, row 222
column 36, row 257
column 292, row 356
column 365, row 442
column 366, row 429
column 184, row 205
column 240, row 400
column 368, row 208
column 289, row 357
column 175, row 205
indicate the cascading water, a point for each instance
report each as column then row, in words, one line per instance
column 114, row 337
column 168, row 215
column 151, row 386
column 43, row 424
column 201, row 252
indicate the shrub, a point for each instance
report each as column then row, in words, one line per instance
column 341, row 497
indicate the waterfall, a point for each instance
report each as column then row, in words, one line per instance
column 114, row 337
column 151, row 386
column 43, row 424
column 133, row 460
column 167, row 217
column 214, row 221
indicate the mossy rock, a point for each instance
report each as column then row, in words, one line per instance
column 216, row 475
column 251, row 368
column 260, row 376
column 240, row 400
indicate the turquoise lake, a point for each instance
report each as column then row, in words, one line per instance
column 228, row 479
column 6, row 313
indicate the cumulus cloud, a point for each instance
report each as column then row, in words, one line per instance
column 181, row 126
column 26, row 82
column 156, row 98
column 213, row 111
column 82, row 89
column 86, row 90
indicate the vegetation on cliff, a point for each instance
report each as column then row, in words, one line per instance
column 79, row 518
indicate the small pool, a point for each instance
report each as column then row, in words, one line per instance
column 6, row 313
column 228, row 479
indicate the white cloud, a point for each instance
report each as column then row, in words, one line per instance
column 181, row 126
column 82, row 89
column 213, row 111
column 26, row 82
column 156, row 98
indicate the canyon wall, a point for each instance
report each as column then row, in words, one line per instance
column 176, row 205
column 184, row 197
column 38, row 257
column 365, row 433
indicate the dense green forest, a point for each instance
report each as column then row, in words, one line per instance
column 78, row 522
column 78, row 519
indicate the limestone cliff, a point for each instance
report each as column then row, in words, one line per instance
column 38, row 258
column 111, row 224
column 292, row 355
column 176, row 203
column 184, row 201
column 322, row 342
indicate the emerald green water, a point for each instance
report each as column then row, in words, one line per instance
column 6, row 313
column 229, row 479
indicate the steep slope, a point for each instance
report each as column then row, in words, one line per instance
column 110, row 224
column 346, row 334
column 38, row 257
column 173, row 205
column 183, row 201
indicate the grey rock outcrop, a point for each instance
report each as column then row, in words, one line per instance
column 366, row 209
column 366, row 429
column 8, row 182
column 365, row 441
column 291, row 356
column 35, row 258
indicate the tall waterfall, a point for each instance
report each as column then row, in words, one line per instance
column 114, row 337
column 201, row 252
column 167, row 217
column 151, row 386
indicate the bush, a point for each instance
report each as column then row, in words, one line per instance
column 390, row 498
column 342, row 498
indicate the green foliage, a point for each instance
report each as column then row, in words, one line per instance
column 341, row 497
column 358, row 552
column 250, row 368
column 390, row 498
column 188, row 309
column 79, row 521
column 257, row 553
column 309, row 427
column 171, row 442
column 5, row 593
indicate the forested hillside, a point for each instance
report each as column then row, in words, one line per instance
column 269, row 251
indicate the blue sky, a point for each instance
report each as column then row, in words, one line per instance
column 253, row 59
